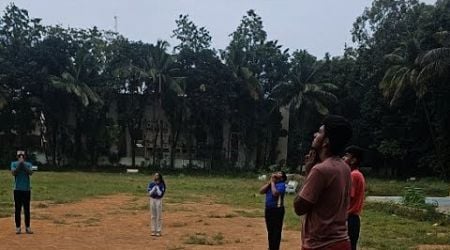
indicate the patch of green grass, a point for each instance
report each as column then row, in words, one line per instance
column 177, row 208
column 203, row 239
column 218, row 238
column 218, row 216
column 72, row 215
column 250, row 213
column 178, row 224
column 431, row 187
column 42, row 205
column 291, row 220
column 74, row 186
column 135, row 206
column 91, row 221
column 59, row 221
column 41, row 217
column 383, row 231
column 6, row 208
column 175, row 248
column 426, row 213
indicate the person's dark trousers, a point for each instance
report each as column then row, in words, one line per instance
column 354, row 225
column 22, row 198
column 274, row 223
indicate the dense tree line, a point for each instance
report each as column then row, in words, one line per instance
column 393, row 86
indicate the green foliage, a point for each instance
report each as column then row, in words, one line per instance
column 414, row 197
column 429, row 187
column 419, row 213
column 203, row 239
column 190, row 36
column 391, row 149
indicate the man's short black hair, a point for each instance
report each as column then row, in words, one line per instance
column 355, row 151
column 339, row 132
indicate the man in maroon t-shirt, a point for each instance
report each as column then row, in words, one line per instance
column 353, row 156
column 324, row 198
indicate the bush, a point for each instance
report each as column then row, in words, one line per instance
column 413, row 197
column 424, row 213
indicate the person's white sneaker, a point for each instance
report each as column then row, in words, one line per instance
column 28, row 230
column 158, row 234
column 18, row 231
column 153, row 234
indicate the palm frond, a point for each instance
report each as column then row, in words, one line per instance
column 320, row 107
column 297, row 101
column 68, row 84
column 390, row 83
column 329, row 86
column 394, row 59
column 324, row 96
column 436, row 55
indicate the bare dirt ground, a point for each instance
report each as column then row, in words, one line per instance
column 122, row 222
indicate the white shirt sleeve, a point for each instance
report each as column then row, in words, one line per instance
column 153, row 190
column 158, row 191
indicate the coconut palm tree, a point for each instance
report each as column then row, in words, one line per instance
column 71, row 82
column 412, row 67
column 403, row 71
column 161, row 72
column 435, row 63
column 302, row 91
column 236, row 61
column 4, row 95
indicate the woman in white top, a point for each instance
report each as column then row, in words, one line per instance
column 156, row 190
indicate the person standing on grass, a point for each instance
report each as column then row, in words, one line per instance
column 324, row 198
column 274, row 211
column 156, row 190
column 353, row 156
column 22, row 170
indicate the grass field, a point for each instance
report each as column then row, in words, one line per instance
column 431, row 187
column 379, row 230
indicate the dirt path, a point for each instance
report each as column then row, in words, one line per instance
column 122, row 222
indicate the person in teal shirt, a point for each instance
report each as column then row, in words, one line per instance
column 22, row 170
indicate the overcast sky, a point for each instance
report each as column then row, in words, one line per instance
column 319, row 26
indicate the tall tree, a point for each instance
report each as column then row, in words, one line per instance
column 190, row 36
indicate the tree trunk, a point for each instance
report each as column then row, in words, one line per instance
column 54, row 146
column 433, row 137
column 77, row 143
column 174, row 147
column 190, row 145
column 155, row 143
column 133, row 153
column 161, row 144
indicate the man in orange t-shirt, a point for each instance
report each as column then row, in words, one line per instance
column 353, row 156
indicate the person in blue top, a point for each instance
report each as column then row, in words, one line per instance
column 156, row 190
column 22, row 170
column 274, row 211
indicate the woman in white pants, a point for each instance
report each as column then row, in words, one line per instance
column 156, row 190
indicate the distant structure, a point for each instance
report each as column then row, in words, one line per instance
column 115, row 24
